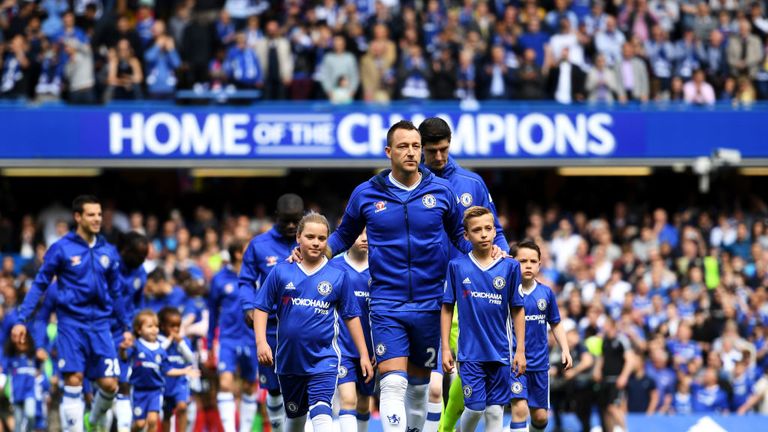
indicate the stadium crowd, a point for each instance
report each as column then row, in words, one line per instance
column 686, row 291
column 89, row 51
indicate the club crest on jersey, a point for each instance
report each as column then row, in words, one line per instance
column 380, row 206
column 370, row 281
column 517, row 388
column 499, row 282
column 292, row 407
column 271, row 260
column 393, row 419
column 137, row 411
column 428, row 200
column 381, row 349
column 104, row 261
column 467, row 390
column 466, row 199
column 75, row 260
column 158, row 359
column 324, row 288
column 263, row 379
column 542, row 305
column 342, row 372
column 228, row 288
column 62, row 363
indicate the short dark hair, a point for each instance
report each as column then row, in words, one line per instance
column 526, row 244
column 79, row 202
column 157, row 275
column 166, row 313
column 402, row 124
column 434, row 129
column 290, row 203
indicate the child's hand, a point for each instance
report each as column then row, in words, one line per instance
column 448, row 363
column 519, row 363
column 367, row 368
column 192, row 372
column 264, row 354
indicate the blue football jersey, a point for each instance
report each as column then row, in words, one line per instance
column 224, row 303
column 358, row 281
column 149, row 364
column 261, row 256
column 540, row 309
column 484, row 296
column 22, row 371
column 308, row 308
column 176, row 360
column 132, row 286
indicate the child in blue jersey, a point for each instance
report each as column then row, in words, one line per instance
column 149, row 367
column 176, row 398
column 354, row 392
column 309, row 297
column 21, row 367
column 485, row 290
column 531, row 390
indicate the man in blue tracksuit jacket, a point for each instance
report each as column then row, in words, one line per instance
column 469, row 187
column 261, row 256
column 87, row 270
column 471, row 190
column 407, row 212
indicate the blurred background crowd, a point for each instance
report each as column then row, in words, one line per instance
column 570, row 51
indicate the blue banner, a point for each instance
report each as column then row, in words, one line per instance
column 321, row 133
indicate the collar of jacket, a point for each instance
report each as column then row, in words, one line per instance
column 380, row 180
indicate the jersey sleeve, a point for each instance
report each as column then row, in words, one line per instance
column 452, row 223
column 249, row 278
column 449, row 296
column 266, row 295
column 118, row 288
column 515, row 280
column 349, row 229
column 485, row 200
column 48, row 270
column 553, row 311
column 348, row 306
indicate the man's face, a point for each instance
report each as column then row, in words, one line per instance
column 481, row 232
column 436, row 154
column 405, row 151
column 288, row 223
column 89, row 221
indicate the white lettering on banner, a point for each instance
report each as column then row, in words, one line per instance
column 357, row 134
column 232, row 126
column 197, row 141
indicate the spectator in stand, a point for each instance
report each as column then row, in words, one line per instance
column 336, row 64
column 78, row 72
column 608, row 41
column 687, row 60
column 566, row 80
column 377, row 74
column 745, row 51
column 161, row 61
column 636, row 19
column 274, row 52
column 642, row 394
column 197, row 48
column 145, row 22
column 414, row 74
column 554, row 18
column 596, row 20
column 242, row 65
column 49, row 85
column 14, row 68
column 666, row 12
column 601, row 85
column 698, row 91
column 664, row 378
column 531, row 81
column 124, row 75
column 708, row 396
column 632, row 75
column 225, row 29
column 535, row 39
column 241, row 10
column 758, row 400
column 661, row 56
column 567, row 38
column 714, row 58
column 498, row 78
